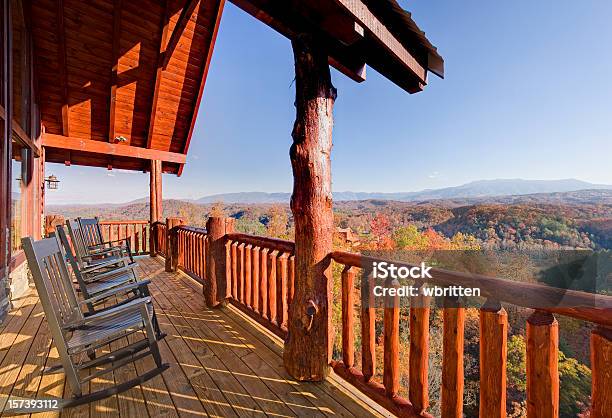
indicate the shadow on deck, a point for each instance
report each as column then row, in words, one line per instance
column 221, row 363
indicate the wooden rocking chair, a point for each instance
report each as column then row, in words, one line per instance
column 89, row 257
column 94, row 238
column 75, row 334
column 99, row 283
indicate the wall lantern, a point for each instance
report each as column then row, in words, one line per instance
column 52, row 182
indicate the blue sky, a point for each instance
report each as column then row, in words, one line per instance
column 527, row 94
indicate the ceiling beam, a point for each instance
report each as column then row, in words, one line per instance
column 63, row 76
column 209, row 53
column 383, row 36
column 180, row 26
column 102, row 147
column 114, row 69
column 160, row 68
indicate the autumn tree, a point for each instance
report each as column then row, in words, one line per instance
column 217, row 210
column 277, row 222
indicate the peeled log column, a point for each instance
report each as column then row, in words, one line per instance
column 309, row 342
column 155, row 202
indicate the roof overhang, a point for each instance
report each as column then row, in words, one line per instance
column 378, row 33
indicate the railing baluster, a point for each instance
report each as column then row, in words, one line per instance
column 272, row 286
column 419, row 351
column 368, row 330
column 281, row 290
column 452, row 360
column 391, row 373
column 247, row 275
column 235, row 271
column 263, row 285
column 291, row 284
column 255, row 278
column 348, row 319
column 493, row 355
column 542, row 365
column 241, row 273
column 601, row 369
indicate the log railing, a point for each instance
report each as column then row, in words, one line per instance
column 135, row 231
column 260, row 277
column 542, row 344
column 192, row 251
column 259, row 280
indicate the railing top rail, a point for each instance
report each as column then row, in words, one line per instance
column 131, row 221
column 581, row 305
column 274, row 243
column 192, row 228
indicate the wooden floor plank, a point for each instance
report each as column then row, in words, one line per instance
column 254, row 387
column 271, row 351
column 221, row 364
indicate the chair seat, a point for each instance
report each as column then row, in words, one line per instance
column 106, row 284
column 96, row 331
column 97, row 261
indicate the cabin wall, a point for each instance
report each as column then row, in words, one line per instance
column 21, row 178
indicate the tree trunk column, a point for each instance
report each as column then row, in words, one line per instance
column 309, row 343
column 155, row 203
column 215, row 285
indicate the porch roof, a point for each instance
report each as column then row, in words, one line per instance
column 120, row 82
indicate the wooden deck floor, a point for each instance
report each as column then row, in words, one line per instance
column 221, row 364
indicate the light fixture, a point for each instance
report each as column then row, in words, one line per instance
column 52, row 182
column 121, row 138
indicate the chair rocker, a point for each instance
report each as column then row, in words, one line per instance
column 75, row 334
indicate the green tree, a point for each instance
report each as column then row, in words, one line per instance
column 409, row 237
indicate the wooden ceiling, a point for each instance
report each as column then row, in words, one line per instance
column 120, row 81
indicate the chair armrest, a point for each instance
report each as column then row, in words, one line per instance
column 134, row 305
column 114, row 291
column 92, row 277
column 124, row 260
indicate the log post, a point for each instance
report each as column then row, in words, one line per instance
column 172, row 249
column 51, row 221
column 493, row 355
column 215, row 284
column 452, row 360
column 418, row 358
column 601, row 366
column 155, row 203
column 309, row 342
column 542, row 365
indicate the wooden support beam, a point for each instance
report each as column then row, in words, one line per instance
column 179, row 27
column 160, row 69
column 452, row 361
column 211, row 46
column 100, row 147
column 308, row 348
column 114, row 69
column 385, row 38
column 62, row 62
column 215, row 285
column 172, row 250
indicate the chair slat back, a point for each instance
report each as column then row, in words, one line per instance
column 92, row 232
column 53, row 282
column 77, row 239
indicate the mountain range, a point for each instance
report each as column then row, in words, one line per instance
column 472, row 190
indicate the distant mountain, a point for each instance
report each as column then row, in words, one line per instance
column 475, row 189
